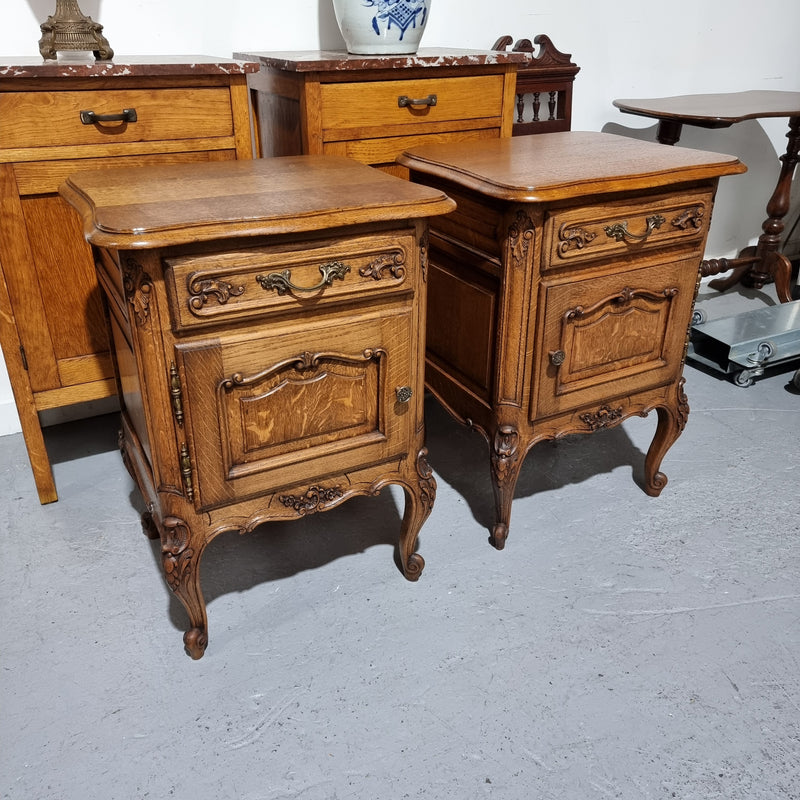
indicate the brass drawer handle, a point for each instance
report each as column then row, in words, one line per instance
column 620, row 230
column 404, row 101
column 281, row 282
column 90, row 117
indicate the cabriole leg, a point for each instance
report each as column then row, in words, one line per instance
column 671, row 422
column 181, row 559
column 506, row 463
column 420, row 497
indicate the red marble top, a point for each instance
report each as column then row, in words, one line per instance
column 332, row 60
column 86, row 67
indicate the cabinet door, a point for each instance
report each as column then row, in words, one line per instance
column 293, row 405
column 612, row 335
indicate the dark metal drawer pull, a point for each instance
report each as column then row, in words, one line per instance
column 281, row 282
column 403, row 101
column 90, row 117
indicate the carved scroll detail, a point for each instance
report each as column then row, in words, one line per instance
column 520, row 234
column 602, row 418
column 202, row 289
column 393, row 262
column 624, row 297
column 683, row 405
column 315, row 499
column 176, row 555
column 137, row 286
column 574, row 239
column 303, row 361
column 690, row 217
column 505, row 451
column 427, row 483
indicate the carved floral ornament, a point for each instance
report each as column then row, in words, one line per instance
column 202, row 289
column 137, row 286
column 520, row 234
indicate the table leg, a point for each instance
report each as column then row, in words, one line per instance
column 669, row 131
column 755, row 267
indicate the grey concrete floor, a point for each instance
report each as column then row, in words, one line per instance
column 621, row 646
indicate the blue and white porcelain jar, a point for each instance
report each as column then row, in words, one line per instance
column 380, row 27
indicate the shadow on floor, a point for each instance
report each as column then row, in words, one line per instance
column 455, row 451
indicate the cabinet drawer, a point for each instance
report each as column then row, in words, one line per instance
column 293, row 406
column 238, row 285
column 612, row 335
column 354, row 106
column 384, row 150
column 48, row 119
column 577, row 235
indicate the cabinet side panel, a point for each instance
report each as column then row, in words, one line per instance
column 128, row 381
column 23, row 290
column 66, row 279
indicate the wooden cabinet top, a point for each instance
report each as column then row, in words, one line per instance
column 341, row 61
column 559, row 166
column 146, row 207
column 131, row 66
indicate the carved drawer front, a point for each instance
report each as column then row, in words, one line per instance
column 612, row 335
column 236, row 285
column 295, row 406
column 350, row 108
column 578, row 235
column 55, row 119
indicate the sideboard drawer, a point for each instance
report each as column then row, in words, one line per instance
column 352, row 106
column 51, row 119
column 583, row 234
column 237, row 285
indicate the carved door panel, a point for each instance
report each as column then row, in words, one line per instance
column 622, row 329
column 296, row 404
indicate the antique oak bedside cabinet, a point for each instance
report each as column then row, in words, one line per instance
column 267, row 320
column 561, row 291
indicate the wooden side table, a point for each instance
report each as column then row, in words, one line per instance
column 370, row 108
column 57, row 118
column 755, row 265
column 561, row 289
column 268, row 326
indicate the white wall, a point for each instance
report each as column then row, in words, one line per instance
column 625, row 48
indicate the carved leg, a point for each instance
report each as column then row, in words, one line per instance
column 768, row 262
column 181, row 559
column 671, row 422
column 419, row 504
column 506, row 463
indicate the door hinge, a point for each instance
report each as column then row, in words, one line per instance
column 186, row 471
column 23, row 357
column 176, row 393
